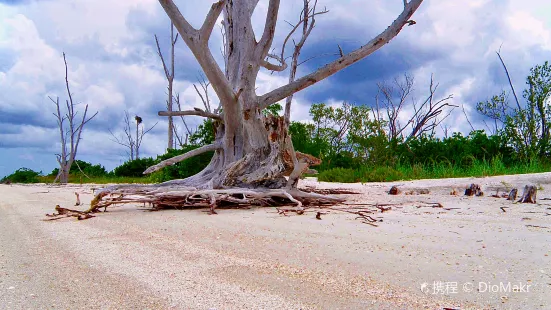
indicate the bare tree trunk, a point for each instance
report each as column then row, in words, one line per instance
column 137, row 147
column 169, row 74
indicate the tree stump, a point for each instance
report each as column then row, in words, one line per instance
column 513, row 194
column 474, row 190
column 394, row 190
column 529, row 194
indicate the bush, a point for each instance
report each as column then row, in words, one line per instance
column 134, row 168
column 22, row 175
column 341, row 175
column 89, row 169
column 182, row 169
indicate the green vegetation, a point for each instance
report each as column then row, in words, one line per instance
column 22, row 175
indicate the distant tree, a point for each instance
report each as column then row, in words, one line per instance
column 525, row 126
column 69, row 135
column 427, row 114
column 130, row 141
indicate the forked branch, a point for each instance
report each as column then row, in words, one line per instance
column 197, row 41
column 343, row 62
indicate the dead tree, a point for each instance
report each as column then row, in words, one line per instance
column 205, row 99
column 252, row 152
column 69, row 135
column 425, row 118
column 130, row 141
column 169, row 74
column 400, row 91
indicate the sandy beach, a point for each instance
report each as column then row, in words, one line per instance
column 472, row 253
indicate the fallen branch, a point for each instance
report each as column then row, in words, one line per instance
column 328, row 191
column 179, row 158
column 64, row 212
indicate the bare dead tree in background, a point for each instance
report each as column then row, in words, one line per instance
column 395, row 96
column 130, row 141
column 169, row 74
column 425, row 118
column 203, row 93
column 69, row 135
column 252, row 152
column 181, row 139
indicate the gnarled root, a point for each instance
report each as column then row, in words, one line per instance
column 188, row 197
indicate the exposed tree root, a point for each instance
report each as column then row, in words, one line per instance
column 187, row 197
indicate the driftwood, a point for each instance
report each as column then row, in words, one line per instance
column 64, row 212
column 328, row 191
column 78, row 199
column 529, row 194
column 474, row 190
column 394, row 190
column 418, row 191
column 185, row 197
column 512, row 194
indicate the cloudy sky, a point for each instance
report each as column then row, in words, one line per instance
column 113, row 65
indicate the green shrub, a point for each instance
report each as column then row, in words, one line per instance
column 22, row 175
column 341, row 175
column 134, row 168
column 89, row 169
column 182, row 169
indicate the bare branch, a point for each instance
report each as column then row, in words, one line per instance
column 196, row 112
column 186, row 30
column 466, row 117
column 265, row 42
column 210, row 20
column 306, row 30
column 200, row 50
column 205, row 86
column 302, row 21
column 273, row 67
column 343, row 62
column 167, row 74
column 509, row 79
column 179, row 158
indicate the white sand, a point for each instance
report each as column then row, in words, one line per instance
column 241, row 259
